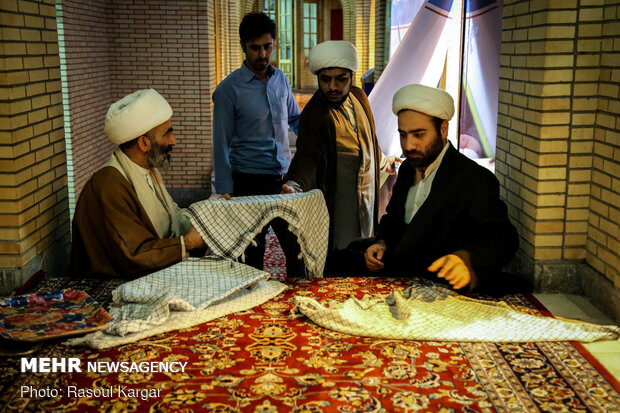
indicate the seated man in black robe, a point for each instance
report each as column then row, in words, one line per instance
column 445, row 220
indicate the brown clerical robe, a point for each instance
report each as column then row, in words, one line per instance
column 112, row 233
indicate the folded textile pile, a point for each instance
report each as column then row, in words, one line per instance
column 228, row 227
column 437, row 313
column 188, row 293
column 198, row 290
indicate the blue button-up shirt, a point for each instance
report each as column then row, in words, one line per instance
column 250, row 125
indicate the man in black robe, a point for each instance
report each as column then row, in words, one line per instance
column 445, row 220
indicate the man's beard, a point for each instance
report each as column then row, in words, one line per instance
column 159, row 156
column 337, row 103
column 428, row 157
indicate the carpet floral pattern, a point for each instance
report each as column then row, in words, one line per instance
column 274, row 257
column 261, row 360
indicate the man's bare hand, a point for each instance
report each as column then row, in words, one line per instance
column 225, row 196
column 373, row 256
column 392, row 165
column 193, row 239
column 287, row 189
column 453, row 269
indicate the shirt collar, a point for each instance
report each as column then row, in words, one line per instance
column 143, row 171
column 249, row 75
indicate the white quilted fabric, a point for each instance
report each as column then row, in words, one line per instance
column 437, row 313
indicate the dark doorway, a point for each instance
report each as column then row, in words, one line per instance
column 336, row 24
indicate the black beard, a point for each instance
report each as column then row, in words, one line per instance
column 334, row 104
column 432, row 154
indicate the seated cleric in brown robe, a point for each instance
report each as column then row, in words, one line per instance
column 125, row 223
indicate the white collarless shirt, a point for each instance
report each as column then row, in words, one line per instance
column 147, row 176
column 421, row 187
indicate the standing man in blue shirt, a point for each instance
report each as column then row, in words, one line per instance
column 253, row 109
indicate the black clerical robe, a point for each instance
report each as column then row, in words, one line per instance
column 462, row 215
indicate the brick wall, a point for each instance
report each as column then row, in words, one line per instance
column 557, row 148
column 169, row 46
column 228, row 49
column 364, row 37
column 359, row 28
column 116, row 47
column 84, row 40
column 602, row 21
column 34, row 219
column 381, row 32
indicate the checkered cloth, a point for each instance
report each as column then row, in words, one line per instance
column 437, row 313
column 188, row 293
column 228, row 227
column 198, row 290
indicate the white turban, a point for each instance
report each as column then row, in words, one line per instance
column 136, row 114
column 430, row 100
column 333, row 53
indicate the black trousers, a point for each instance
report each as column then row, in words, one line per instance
column 350, row 261
column 263, row 184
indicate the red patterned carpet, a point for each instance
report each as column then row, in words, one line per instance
column 262, row 361
column 274, row 257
